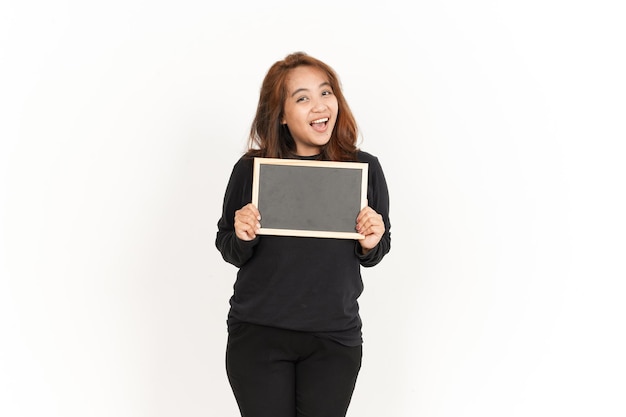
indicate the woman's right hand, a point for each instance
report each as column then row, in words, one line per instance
column 247, row 222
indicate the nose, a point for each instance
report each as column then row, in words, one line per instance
column 319, row 105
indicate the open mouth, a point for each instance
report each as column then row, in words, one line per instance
column 319, row 124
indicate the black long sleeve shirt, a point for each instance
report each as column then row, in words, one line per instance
column 299, row 283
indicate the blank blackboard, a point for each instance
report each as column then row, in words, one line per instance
column 309, row 198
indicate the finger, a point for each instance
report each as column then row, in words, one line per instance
column 246, row 224
column 249, row 210
column 366, row 212
column 253, row 210
column 246, row 217
column 370, row 219
column 372, row 230
column 245, row 231
column 362, row 213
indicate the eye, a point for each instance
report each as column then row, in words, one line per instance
column 302, row 99
column 327, row 93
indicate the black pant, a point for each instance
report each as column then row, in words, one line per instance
column 282, row 373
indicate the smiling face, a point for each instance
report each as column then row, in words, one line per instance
column 310, row 109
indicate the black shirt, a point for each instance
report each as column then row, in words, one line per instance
column 299, row 283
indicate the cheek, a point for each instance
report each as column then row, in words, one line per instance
column 293, row 116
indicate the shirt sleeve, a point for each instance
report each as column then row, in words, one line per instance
column 378, row 199
column 238, row 194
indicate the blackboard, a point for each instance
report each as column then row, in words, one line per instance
column 309, row 198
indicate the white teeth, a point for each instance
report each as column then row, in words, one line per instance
column 325, row 119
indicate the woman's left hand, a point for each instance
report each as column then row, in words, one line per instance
column 371, row 225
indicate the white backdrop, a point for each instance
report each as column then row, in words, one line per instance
column 500, row 126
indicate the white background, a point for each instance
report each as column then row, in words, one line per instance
column 500, row 127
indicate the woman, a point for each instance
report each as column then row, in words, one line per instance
column 294, row 342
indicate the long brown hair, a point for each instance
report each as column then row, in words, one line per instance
column 269, row 138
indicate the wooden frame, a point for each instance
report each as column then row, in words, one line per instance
column 309, row 198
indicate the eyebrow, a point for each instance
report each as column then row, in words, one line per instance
column 324, row 84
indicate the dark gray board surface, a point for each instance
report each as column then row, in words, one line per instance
column 303, row 198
